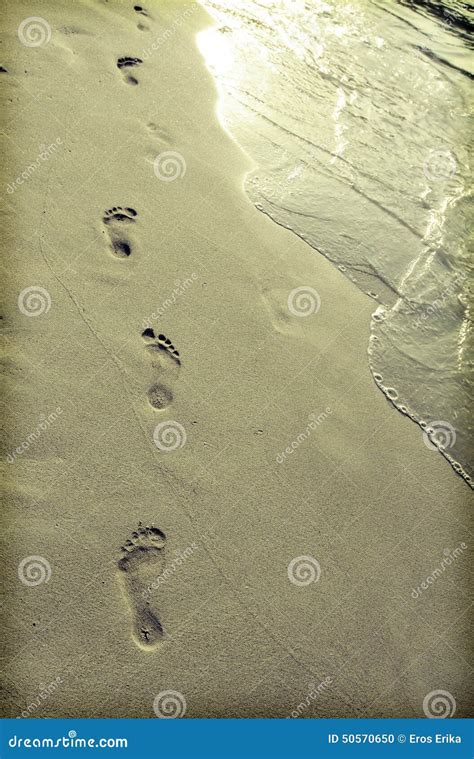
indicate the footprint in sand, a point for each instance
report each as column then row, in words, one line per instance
column 141, row 10
column 140, row 563
column 161, row 140
column 165, row 362
column 286, row 306
column 116, row 219
column 125, row 64
column 160, row 132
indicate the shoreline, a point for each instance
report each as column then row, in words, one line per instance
column 321, row 149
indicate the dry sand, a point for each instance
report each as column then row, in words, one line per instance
column 360, row 494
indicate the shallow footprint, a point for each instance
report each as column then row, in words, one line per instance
column 165, row 362
column 142, row 12
column 124, row 64
column 286, row 307
column 142, row 560
column 115, row 219
column 159, row 132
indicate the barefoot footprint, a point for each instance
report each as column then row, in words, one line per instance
column 140, row 563
column 115, row 220
column 141, row 10
column 165, row 363
column 127, row 63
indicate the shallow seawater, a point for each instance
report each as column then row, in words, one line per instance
column 357, row 115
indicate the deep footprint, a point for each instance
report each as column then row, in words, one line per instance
column 165, row 362
column 141, row 10
column 115, row 219
column 144, row 551
column 127, row 63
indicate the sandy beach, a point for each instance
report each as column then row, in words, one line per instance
column 205, row 490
